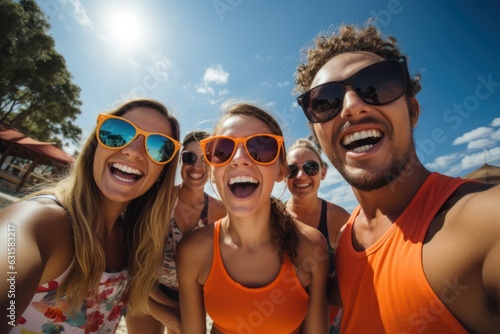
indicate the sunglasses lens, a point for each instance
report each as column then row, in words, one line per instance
column 294, row 170
column 219, row 150
column 116, row 133
column 262, row 148
column 380, row 83
column 160, row 148
column 377, row 84
column 189, row 158
column 323, row 103
column 311, row 168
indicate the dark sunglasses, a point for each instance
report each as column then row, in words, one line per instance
column 377, row 84
column 263, row 149
column 189, row 158
column 115, row 132
column 310, row 167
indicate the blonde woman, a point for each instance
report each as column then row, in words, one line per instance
column 194, row 209
column 86, row 248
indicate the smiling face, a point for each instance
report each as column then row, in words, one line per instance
column 194, row 175
column 369, row 145
column 244, row 186
column 125, row 174
column 303, row 185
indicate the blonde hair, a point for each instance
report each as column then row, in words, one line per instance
column 283, row 229
column 146, row 222
column 307, row 144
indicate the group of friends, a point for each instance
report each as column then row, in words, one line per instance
column 117, row 237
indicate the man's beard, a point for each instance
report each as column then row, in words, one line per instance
column 380, row 178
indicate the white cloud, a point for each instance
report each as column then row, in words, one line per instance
column 341, row 195
column 261, row 58
column 205, row 89
column 473, row 135
column 496, row 135
column 480, row 143
column 266, row 84
column 495, row 122
column 224, row 92
column 442, row 162
column 332, row 177
column 477, row 159
column 283, row 84
column 216, row 75
column 79, row 14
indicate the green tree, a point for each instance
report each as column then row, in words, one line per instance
column 37, row 95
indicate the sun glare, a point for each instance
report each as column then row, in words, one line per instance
column 125, row 28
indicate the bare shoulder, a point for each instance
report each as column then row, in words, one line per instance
column 336, row 209
column 197, row 243
column 477, row 200
column 41, row 217
column 216, row 209
column 194, row 255
column 337, row 217
column 309, row 236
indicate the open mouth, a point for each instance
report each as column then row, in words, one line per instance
column 302, row 185
column 362, row 141
column 195, row 176
column 125, row 173
column 243, row 186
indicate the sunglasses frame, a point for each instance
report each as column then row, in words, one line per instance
column 200, row 157
column 101, row 118
column 279, row 139
column 301, row 166
column 403, row 65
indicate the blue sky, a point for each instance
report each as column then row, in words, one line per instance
column 194, row 55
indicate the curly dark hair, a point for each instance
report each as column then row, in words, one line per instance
column 348, row 39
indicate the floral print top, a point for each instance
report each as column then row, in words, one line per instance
column 168, row 275
column 103, row 315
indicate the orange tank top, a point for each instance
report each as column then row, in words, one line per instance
column 279, row 307
column 384, row 288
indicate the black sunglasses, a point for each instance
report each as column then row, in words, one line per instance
column 310, row 167
column 189, row 158
column 377, row 84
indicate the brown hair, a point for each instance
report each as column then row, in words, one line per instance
column 283, row 228
column 307, row 144
column 348, row 39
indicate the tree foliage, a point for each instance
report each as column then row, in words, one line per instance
column 37, row 95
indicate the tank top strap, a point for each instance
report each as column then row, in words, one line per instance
column 204, row 211
column 49, row 196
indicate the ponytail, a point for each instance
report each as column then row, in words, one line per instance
column 283, row 230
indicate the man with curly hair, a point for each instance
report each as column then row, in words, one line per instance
column 420, row 253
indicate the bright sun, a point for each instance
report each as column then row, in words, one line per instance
column 125, row 29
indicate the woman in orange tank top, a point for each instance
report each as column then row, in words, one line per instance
column 255, row 270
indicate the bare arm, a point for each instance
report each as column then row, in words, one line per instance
column 485, row 207
column 30, row 234
column 316, row 320
column 190, row 290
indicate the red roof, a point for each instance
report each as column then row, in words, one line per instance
column 49, row 150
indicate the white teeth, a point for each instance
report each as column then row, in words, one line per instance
column 242, row 179
column 362, row 148
column 123, row 179
column 195, row 175
column 127, row 169
column 302, row 185
column 361, row 135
